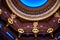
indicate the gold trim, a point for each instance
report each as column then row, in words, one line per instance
column 32, row 18
column 35, row 24
column 0, row 11
column 13, row 16
column 20, row 30
column 59, row 20
column 35, row 30
column 50, row 30
column 10, row 21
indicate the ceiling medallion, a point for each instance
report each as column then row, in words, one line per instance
column 33, row 12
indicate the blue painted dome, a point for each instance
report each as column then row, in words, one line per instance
column 33, row 3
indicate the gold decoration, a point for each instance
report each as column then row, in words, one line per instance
column 10, row 21
column 35, row 24
column 50, row 30
column 35, row 30
column 59, row 20
column 0, row 11
column 57, row 14
column 20, row 30
column 34, row 18
column 13, row 16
